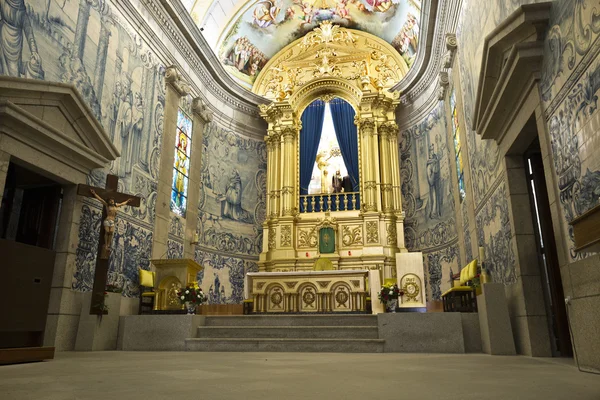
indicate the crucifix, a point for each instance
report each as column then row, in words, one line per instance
column 111, row 201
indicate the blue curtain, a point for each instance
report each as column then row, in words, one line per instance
column 342, row 114
column 310, row 135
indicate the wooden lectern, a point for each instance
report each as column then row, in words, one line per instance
column 171, row 276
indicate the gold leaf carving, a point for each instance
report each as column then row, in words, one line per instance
column 352, row 235
column 286, row 236
column 323, row 284
column 272, row 238
column 391, row 234
column 307, row 238
column 291, row 285
column 372, row 232
column 356, row 283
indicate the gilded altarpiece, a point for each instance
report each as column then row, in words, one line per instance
column 333, row 62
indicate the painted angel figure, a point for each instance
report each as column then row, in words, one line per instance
column 265, row 14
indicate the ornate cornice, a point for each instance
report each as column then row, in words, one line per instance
column 443, row 19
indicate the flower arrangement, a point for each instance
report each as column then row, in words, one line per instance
column 191, row 295
column 476, row 281
column 389, row 292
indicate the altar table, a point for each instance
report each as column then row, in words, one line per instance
column 307, row 291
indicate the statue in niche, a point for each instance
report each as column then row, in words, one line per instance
column 435, row 184
column 322, row 164
column 232, row 200
column 336, row 182
column 15, row 26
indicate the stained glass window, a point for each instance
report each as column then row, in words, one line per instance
column 181, row 163
column 457, row 146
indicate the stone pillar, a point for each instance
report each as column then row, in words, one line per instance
column 149, row 104
column 81, row 29
column 65, row 304
column 101, row 57
column 4, row 162
column 175, row 89
column 202, row 116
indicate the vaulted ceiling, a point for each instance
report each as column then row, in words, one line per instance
column 246, row 34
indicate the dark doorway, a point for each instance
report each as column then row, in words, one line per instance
column 547, row 256
column 30, row 208
column 29, row 216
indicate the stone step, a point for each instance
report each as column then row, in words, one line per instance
column 292, row 320
column 300, row 332
column 286, row 345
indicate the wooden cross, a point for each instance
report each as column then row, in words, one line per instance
column 107, row 227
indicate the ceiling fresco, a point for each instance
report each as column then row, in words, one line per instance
column 245, row 35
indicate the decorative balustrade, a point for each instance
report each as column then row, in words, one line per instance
column 330, row 202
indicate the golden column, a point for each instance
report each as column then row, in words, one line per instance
column 385, row 164
column 289, row 133
column 366, row 127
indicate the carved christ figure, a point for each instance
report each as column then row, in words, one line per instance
column 110, row 220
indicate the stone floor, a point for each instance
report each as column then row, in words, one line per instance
column 249, row 376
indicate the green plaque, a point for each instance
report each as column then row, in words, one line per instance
column 326, row 241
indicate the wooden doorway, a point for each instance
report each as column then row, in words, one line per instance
column 29, row 216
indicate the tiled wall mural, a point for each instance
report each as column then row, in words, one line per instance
column 88, row 44
column 428, row 200
column 231, row 211
column 484, row 161
column 570, row 89
column 570, row 85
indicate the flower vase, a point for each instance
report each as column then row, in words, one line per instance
column 391, row 305
column 191, row 307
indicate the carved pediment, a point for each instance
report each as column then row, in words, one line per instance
column 511, row 66
column 53, row 119
column 331, row 51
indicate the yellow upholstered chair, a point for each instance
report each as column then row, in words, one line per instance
column 323, row 264
column 147, row 281
column 462, row 298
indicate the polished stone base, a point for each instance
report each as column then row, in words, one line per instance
column 392, row 332
column 98, row 332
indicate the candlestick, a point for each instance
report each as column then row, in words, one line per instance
column 481, row 254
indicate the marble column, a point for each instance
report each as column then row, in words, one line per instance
column 81, row 29
column 175, row 89
column 202, row 116
column 101, row 57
